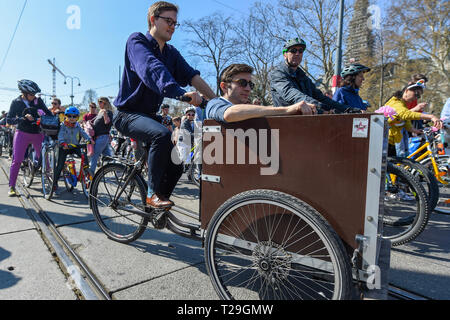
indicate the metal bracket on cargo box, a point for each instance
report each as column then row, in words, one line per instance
column 208, row 178
column 212, row 129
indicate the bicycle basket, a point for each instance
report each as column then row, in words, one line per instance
column 50, row 125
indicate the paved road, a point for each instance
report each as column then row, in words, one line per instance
column 160, row 265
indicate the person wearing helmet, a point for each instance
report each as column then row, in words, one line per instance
column 24, row 113
column 69, row 133
column 352, row 80
column 399, row 102
column 290, row 84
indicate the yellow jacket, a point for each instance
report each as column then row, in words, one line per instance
column 401, row 120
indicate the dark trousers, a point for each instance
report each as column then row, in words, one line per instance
column 62, row 156
column 163, row 173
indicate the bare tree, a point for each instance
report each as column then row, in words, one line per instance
column 214, row 42
column 260, row 49
column 314, row 21
column 423, row 30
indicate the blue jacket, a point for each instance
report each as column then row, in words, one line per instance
column 349, row 96
column 150, row 75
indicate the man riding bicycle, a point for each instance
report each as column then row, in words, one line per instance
column 154, row 70
column 290, row 84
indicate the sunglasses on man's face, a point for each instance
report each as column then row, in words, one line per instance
column 169, row 21
column 295, row 50
column 191, row 114
column 244, row 83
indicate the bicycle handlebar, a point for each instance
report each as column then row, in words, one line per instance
column 188, row 99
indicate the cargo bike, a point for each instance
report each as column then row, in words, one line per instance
column 290, row 207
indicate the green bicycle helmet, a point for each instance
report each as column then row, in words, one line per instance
column 354, row 69
column 292, row 43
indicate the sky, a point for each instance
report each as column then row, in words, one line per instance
column 93, row 52
column 90, row 48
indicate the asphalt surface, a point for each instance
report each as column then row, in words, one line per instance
column 160, row 265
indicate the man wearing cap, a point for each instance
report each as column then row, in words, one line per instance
column 290, row 84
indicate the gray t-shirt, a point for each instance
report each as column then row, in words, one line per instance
column 216, row 109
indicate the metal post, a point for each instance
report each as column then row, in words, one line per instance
column 79, row 84
column 338, row 66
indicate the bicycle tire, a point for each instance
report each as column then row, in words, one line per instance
column 424, row 176
column 443, row 163
column 48, row 172
column 86, row 182
column 28, row 168
column 404, row 199
column 247, row 230
column 67, row 177
column 133, row 226
column 2, row 143
column 195, row 173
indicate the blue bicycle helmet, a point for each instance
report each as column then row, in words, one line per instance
column 72, row 111
column 28, row 86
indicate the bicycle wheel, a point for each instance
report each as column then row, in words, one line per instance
column 443, row 164
column 2, row 143
column 195, row 173
column 111, row 216
column 67, row 177
column 48, row 172
column 423, row 175
column 406, row 208
column 28, row 168
column 86, row 180
column 268, row 245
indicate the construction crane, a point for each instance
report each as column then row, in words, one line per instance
column 55, row 68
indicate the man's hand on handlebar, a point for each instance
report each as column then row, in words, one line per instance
column 195, row 98
column 303, row 108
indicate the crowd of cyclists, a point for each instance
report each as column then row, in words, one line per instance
column 155, row 70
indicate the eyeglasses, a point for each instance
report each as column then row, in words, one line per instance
column 55, row 103
column 295, row 50
column 191, row 114
column 72, row 117
column 244, row 83
column 169, row 21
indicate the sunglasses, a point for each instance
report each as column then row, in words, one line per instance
column 55, row 103
column 72, row 117
column 191, row 114
column 244, row 83
column 295, row 50
column 169, row 21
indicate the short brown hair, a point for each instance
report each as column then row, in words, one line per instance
column 57, row 100
column 158, row 8
column 229, row 72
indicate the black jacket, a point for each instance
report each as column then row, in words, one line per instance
column 18, row 110
column 289, row 87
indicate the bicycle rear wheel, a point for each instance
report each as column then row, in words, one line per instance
column 268, row 245
column 48, row 172
column 111, row 216
column 443, row 164
column 406, row 209
column 86, row 181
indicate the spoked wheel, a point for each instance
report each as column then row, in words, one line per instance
column 86, row 181
column 406, row 208
column 443, row 164
column 48, row 172
column 67, row 176
column 268, row 245
column 195, row 173
column 28, row 168
column 112, row 216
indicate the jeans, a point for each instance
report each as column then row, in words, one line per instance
column 402, row 147
column 164, row 167
column 101, row 145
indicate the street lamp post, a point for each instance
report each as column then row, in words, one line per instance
column 337, row 69
column 79, row 84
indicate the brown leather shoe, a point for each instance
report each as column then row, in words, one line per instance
column 158, row 203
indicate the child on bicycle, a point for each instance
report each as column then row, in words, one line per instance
column 69, row 134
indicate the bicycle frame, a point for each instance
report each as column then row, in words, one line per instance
column 427, row 154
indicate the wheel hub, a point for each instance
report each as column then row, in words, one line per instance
column 272, row 261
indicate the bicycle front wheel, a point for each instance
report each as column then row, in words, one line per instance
column 443, row 164
column 406, row 209
column 268, row 245
column 48, row 172
column 111, row 214
column 28, row 168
